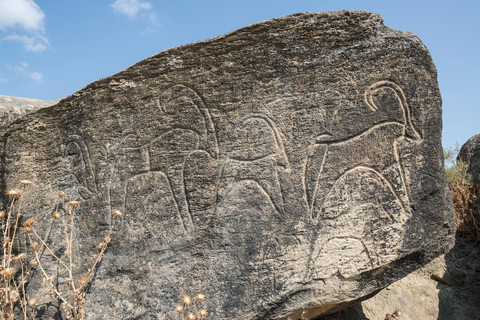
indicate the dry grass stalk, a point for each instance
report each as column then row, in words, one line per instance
column 467, row 211
column 16, row 269
column 465, row 197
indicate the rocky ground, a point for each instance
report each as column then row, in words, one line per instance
column 448, row 288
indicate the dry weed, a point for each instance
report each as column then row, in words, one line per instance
column 395, row 315
column 464, row 195
column 17, row 268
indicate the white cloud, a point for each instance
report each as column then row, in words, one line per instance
column 130, row 8
column 153, row 24
column 26, row 15
column 35, row 76
column 22, row 67
column 21, row 13
column 35, row 43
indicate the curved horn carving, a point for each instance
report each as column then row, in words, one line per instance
column 409, row 130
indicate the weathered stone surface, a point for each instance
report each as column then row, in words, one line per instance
column 470, row 153
column 12, row 108
column 447, row 288
column 288, row 167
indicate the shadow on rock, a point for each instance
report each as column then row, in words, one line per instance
column 459, row 286
column 354, row 312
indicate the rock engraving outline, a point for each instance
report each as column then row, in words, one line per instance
column 205, row 141
column 236, row 167
column 408, row 131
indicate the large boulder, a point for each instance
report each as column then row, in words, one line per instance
column 470, row 153
column 286, row 169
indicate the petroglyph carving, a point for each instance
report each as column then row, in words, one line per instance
column 362, row 217
column 257, row 156
column 376, row 147
column 200, row 174
column 271, row 165
column 149, row 201
column 79, row 156
column 185, row 138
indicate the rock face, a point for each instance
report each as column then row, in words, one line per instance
column 446, row 288
column 288, row 168
column 12, row 108
column 470, row 152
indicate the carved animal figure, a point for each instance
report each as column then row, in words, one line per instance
column 362, row 225
column 256, row 157
column 376, row 148
column 187, row 138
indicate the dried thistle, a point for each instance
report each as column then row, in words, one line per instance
column 25, row 182
column 186, row 300
column 200, row 297
column 27, row 230
column 14, row 295
column 397, row 313
column 117, row 214
column 29, row 222
column 82, row 282
column 179, row 309
column 202, row 313
column 8, row 272
column 107, row 240
column 20, row 257
column 73, row 204
column 15, row 276
column 13, row 193
column 32, row 302
column 191, row 316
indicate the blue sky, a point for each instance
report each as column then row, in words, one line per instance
column 50, row 49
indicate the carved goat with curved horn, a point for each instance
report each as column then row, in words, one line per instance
column 375, row 147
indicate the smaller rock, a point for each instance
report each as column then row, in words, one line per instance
column 470, row 153
column 418, row 296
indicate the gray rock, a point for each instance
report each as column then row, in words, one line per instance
column 289, row 168
column 470, row 153
column 421, row 296
column 12, row 108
